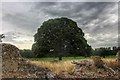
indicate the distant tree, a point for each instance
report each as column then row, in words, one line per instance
column 60, row 36
column 105, row 51
column 27, row 53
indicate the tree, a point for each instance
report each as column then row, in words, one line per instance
column 60, row 36
column 103, row 52
column 27, row 53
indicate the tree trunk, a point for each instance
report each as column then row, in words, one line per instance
column 60, row 58
column 104, row 56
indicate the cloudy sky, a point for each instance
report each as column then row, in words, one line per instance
column 98, row 20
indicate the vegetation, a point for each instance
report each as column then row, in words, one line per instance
column 67, row 66
column 111, row 63
column 70, row 58
column 56, row 67
column 103, row 52
column 27, row 53
column 59, row 36
column 107, row 54
column 98, row 62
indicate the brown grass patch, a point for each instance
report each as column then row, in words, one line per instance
column 112, row 63
column 98, row 62
column 58, row 67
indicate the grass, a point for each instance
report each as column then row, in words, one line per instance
column 57, row 68
column 69, row 58
column 63, row 58
column 110, row 57
column 65, row 66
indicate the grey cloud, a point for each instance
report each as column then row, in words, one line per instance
column 73, row 9
column 21, row 21
column 84, row 13
column 11, row 36
column 99, row 40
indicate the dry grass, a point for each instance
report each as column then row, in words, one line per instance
column 68, row 68
column 111, row 63
column 57, row 67
column 108, row 61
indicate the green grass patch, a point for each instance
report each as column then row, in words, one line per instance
column 63, row 58
column 43, row 59
column 69, row 58
column 111, row 57
column 75, row 58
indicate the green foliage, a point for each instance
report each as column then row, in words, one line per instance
column 103, row 52
column 27, row 53
column 59, row 36
column 98, row 62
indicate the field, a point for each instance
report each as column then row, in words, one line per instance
column 69, row 58
column 57, row 68
column 65, row 65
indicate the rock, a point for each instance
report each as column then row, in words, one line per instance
column 10, row 57
column 118, row 62
column 15, row 66
column 118, row 57
column 82, row 63
column 91, row 69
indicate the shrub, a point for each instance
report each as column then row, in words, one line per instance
column 98, row 62
column 27, row 53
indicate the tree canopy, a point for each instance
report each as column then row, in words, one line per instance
column 60, row 37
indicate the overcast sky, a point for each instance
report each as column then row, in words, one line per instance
column 98, row 20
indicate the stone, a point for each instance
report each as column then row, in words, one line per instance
column 118, row 62
column 85, row 63
column 90, row 69
column 118, row 57
column 15, row 66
